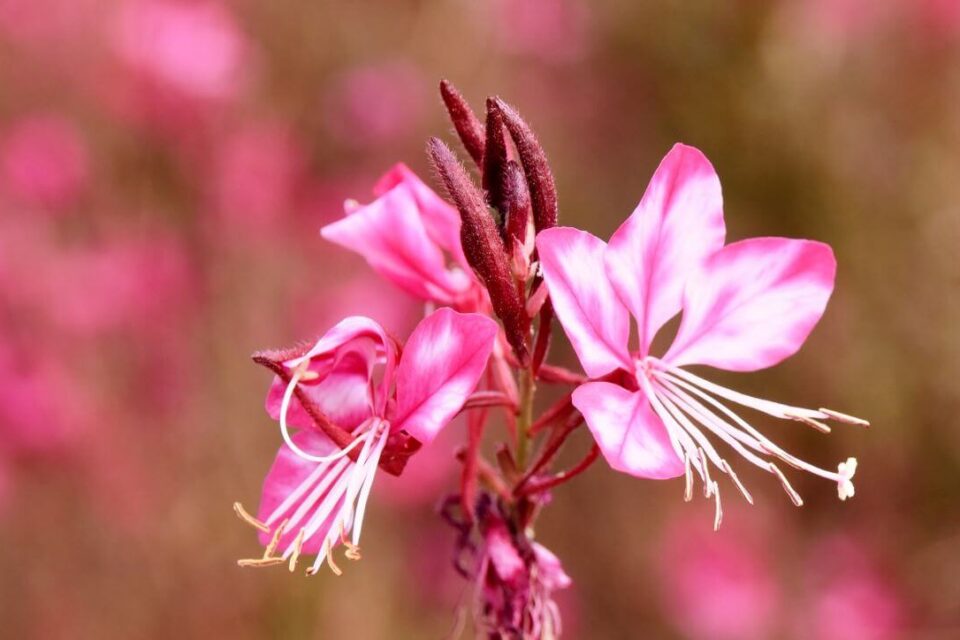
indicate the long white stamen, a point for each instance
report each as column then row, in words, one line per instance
column 335, row 474
column 766, row 444
column 365, row 491
column 341, row 491
column 693, row 408
column 675, row 431
column 766, row 406
column 715, row 424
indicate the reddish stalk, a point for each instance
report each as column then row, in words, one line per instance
column 559, row 411
column 563, row 476
column 557, row 439
column 559, row 375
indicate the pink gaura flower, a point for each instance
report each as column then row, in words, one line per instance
column 411, row 237
column 45, row 162
column 375, row 104
column 746, row 306
column 358, row 403
column 719, row 586
column 195, row 48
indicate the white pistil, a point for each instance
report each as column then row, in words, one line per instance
column 301, row 373
column 845, row 486
column 681, row 400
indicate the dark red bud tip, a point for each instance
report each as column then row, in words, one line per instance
column 517, row 201
column 482, row 246
column 543, row 190
column 495, row 159
column 468, row 126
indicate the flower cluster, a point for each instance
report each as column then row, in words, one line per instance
column 359, row 400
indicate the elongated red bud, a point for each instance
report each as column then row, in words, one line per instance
column 482, row 246
column 495, row 160
column 543, row 190
column 468, row 126
column 516, row 199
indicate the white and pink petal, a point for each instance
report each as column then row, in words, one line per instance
column 592, row 316
column 676, row 226
column 631, row 437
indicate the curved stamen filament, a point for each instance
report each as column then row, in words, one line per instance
column 299, row 373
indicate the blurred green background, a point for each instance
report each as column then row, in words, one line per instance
column 195, row 149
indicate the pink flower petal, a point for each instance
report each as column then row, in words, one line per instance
column 342, row 391
column 678, row 224
column 551, row 570
column 630, row 435
column 440, row 367
column 591, row 314
column 390, row 234
column 440, row 219
column 754, row 303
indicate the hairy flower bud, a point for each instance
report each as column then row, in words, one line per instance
column 516, row 197
column 468, row 126
column 543, row 191
column 495, row 161
column 482, row 246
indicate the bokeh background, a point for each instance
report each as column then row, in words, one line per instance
column 165, row 166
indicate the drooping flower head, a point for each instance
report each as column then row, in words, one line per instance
column 515, row 581
column 745, row 306
column 357, row 402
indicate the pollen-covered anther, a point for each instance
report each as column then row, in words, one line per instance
column 688, row 478
column 845, row 488
column 810, row 422
column 249, row 519
column 328, row 552
column 718, row 515
column 303, row 372
column 275, row 540
column 260, row 562
column 736, row 480
column 297, row 548
column 708, row 483
column 843, row 417
column 352, row 551
column 794, row 496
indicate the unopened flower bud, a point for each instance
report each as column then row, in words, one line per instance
column 468, row 126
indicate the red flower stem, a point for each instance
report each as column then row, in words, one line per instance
column 563, row 476
column 558, row 375
column 489, row 475
column 557, row 412
column 468, row 480
column 486, row 399
column 557, row 438
column 542, row 344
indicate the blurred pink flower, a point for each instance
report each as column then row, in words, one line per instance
column 123, row 283
column 256, row 173
column 312, row 501
column 718, row 585
column 746, row 306
column 552, row 30
column 404, row 235
column 41, row 408
column 849, row 596
column 196, row 48
column 45, row 162
column 375, row 104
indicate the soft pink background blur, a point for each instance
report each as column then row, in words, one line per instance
column 165, row 166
